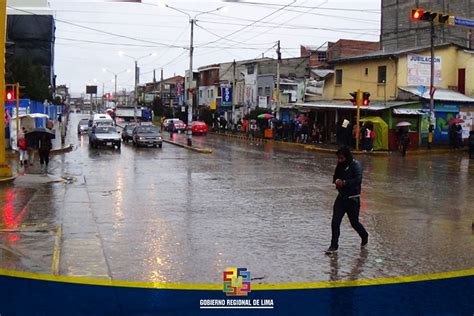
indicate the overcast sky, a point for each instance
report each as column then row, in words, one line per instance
column 89, row 34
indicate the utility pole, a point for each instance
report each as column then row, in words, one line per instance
column 233, row 95
column 161, row 87
column 278, row 82
column 136, row 92
column 115, row 96
column 190, row 82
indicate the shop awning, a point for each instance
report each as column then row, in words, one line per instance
column 407, row 112
column 439, row 95
column 328, row 105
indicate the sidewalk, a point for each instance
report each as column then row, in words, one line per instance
column 332, row 148
column 58, row 148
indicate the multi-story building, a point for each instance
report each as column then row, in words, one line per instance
column 31, row 34
column 398, row 31
column 322, row 55
column 398, row 83
column 171, row 91
column 255, row 85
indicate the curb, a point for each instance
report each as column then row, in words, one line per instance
column 355, row 152
column 333, row 150
column 68, row 148
column 199, row 150
column 56, row 151
column 8, row 179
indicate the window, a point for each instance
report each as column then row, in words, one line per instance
column 200, row 93
column 338, row 76
column 250, row 69
column 260, row 91
column 212, row 93
column 208, row 93
column 382, row 74
column 366, row 71
column 321, row 56
column 267, row 91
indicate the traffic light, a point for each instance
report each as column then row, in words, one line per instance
column 426, row 15
column 445, row 19
column 416, row 14
column 422, row 15
column 9, row 95
column 354, row 97
column 365, row 98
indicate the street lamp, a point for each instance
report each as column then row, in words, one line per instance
column 137, row 79
column 192, row 21
column 115, row 76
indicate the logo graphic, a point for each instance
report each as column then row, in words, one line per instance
column 236, row 282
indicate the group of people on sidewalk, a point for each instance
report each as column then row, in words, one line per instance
column 27, row 149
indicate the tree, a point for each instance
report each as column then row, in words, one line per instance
column 157, row 106
column 206, row 115
column 32, row 77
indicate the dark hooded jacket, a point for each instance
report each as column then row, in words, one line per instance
column 349, row 171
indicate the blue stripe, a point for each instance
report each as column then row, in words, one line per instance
column 20, row 296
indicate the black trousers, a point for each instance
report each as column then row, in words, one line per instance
column 341, row 207
column 44, row 156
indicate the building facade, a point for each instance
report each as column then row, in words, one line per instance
column 31, row 35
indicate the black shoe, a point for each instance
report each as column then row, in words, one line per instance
column 364, row 242
column 331, row 250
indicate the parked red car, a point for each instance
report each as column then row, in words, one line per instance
column 199, row 127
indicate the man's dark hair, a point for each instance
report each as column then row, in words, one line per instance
column 346, row 152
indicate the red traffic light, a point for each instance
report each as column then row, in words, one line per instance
column 366, row 98
column 416, row 14
column 9, row 95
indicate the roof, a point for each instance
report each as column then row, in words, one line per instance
column 374, row 106
column 385, row 54
column 321, row 48
column 32, row 115
column 439, row 95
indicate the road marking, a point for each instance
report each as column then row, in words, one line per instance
column 57, row 251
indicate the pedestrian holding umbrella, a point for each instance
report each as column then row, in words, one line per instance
column 455, row 121
column 265, row 116
column 401, row 124
column 37, row 138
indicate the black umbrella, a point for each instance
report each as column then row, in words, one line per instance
column 33, row 136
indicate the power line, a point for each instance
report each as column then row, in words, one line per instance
column 249, row 25
column 95, row 30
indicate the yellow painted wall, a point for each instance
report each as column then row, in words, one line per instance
column 466, row 60
column 449, row 69
column 354, row 77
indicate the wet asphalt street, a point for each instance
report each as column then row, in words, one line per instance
column 175, row 215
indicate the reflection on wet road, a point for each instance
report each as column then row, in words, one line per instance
column 173, row 215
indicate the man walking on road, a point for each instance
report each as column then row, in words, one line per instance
column 348, row 179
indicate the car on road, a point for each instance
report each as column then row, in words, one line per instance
column 199, row 128
column 83, row 126
column 104, row 135
column 146, row 135
column 178, row 125
column 127, row 132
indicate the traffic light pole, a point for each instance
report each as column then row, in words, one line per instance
column 5, row 170
column 359, row 102
column 432, row 62
column 17, row 96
